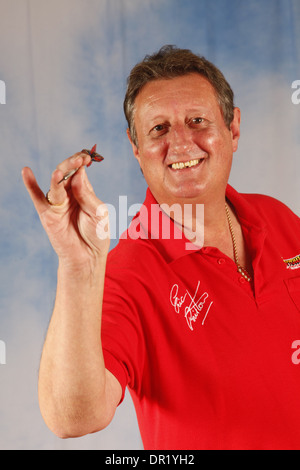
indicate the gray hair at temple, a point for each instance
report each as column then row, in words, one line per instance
column 170, row 62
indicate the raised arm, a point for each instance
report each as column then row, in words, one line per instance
column 77, row 395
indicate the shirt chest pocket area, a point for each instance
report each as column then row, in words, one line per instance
column 293, row 287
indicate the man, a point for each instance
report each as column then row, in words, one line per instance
column 200, row 333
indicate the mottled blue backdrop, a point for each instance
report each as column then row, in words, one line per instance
column 64, row 64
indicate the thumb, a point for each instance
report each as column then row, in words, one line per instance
column 35, row 192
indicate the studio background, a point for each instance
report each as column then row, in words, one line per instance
column 65, row 65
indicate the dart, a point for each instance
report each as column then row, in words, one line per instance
column 96, row 157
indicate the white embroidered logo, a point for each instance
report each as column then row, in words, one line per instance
column 192, row 305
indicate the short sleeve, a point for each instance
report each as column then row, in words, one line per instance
column 122, row 333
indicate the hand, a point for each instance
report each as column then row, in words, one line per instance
column 71, row 221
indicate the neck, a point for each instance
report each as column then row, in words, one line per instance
column 215, row 223
column 207, row 224
column 204, row 224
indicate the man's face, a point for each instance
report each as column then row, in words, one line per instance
column 184, row 147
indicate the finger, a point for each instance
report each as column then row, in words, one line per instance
column 57, row 193
column 35, row 192
column 84, row 192
column 76, row 161
column 71, row 165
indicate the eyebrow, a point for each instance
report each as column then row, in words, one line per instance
column 200, row 111
column 201, row 108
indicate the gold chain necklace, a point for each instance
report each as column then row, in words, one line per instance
column 240, row 269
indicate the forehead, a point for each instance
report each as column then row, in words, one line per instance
column 192, row 89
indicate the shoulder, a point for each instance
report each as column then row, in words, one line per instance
column 270, row 208
column 280, row 223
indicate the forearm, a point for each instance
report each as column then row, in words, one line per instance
column 76, row 394
column 72, row 373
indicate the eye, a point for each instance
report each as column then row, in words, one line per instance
column 159, row 129
column 197, row 120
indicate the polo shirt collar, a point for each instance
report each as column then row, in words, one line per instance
column 173, row 244
column 246, row 213
column 165, row 235
column 253, row 225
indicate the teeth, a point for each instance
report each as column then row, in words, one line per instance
column 181, row 165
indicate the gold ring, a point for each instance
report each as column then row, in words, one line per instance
column 50, row 202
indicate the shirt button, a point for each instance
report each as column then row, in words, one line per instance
column 242, row 280
column 221, row 261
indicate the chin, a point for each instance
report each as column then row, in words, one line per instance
column 190, row 193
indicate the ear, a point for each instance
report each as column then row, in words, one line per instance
column 235, row 128
column 134, row 147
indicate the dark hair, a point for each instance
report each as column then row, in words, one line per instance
column 170, row 62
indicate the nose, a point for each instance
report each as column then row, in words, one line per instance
column 180, row 139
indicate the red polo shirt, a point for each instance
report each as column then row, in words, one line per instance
column 208, row 357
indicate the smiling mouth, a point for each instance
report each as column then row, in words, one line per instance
column 189, row 164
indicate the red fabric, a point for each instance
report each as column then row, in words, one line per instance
column 207, row 356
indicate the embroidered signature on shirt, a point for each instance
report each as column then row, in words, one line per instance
column 192, row 305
